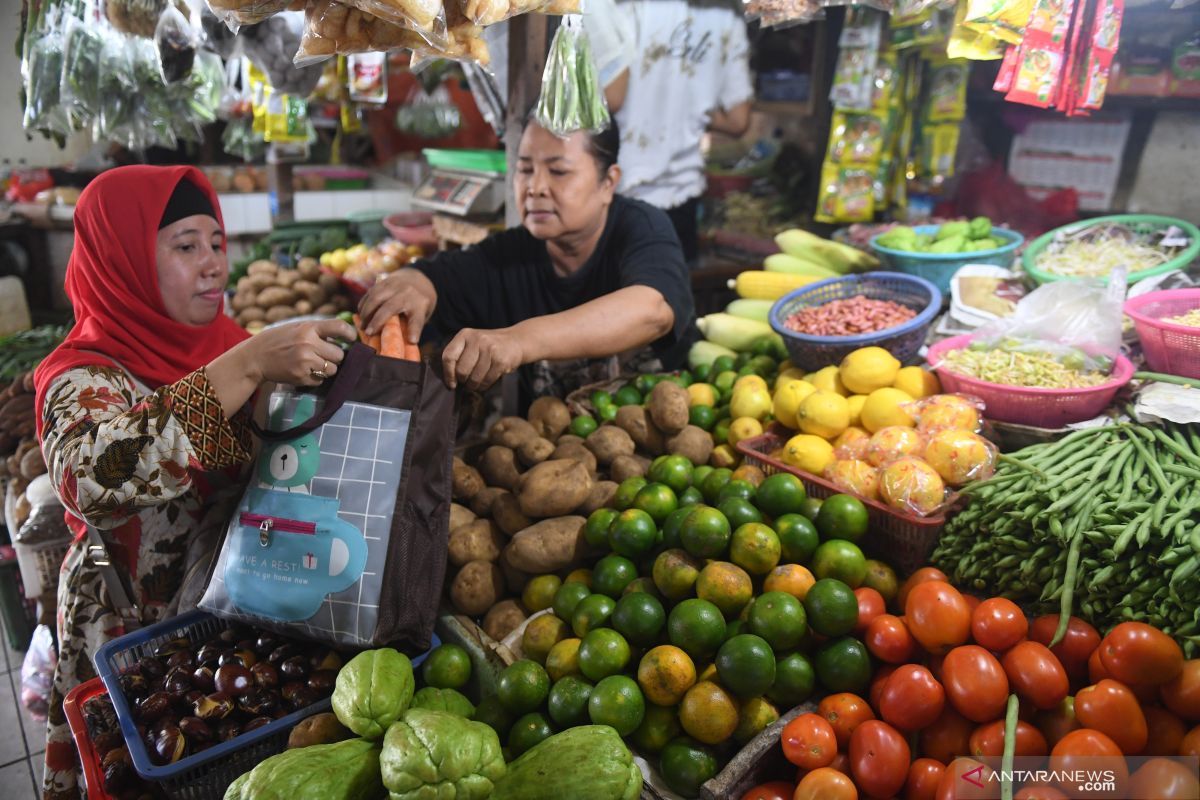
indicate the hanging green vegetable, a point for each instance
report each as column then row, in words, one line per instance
column 571, row 98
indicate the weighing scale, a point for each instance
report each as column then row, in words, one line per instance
column 463, row 193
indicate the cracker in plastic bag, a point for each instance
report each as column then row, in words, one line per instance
column 961, row 457
column 236, row 13
column 912, row 486
column 332, row 28
column 489, row 12
column 854, row 476
column 892, row 443
column 941, row 412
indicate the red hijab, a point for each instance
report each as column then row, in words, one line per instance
column 112, row 282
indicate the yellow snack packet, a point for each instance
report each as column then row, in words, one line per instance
column 1000, row 19
column 966, row 42
column 847, row 194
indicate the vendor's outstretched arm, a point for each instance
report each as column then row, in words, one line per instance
column 623, row 320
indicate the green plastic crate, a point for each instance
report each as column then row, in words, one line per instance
column 471, row 160
column 1143, row 223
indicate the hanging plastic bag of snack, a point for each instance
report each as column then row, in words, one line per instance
column 176, row 41
column 489, row 12
column 1002, row 19
column 571, row 99
column 333, row 28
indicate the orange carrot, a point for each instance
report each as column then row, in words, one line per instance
column 375, row 342
column 392, row 338
column 362, row 335
column 412, row 352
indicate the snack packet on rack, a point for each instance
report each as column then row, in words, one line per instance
column 1041, row 58
column 847, row 194
column 968, row 43
column 367, row 77
column 1000, row 19
column 1106, row 33
column 947, row 90
column 332, row 28
column 856, row 138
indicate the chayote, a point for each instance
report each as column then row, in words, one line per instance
column 346, row 770
column 901, row 237
column 585, row 763
column 951, row 229
column 979, row 227
column 448, row 700
column 433, row 755
column 954, row 244
column 373, row 690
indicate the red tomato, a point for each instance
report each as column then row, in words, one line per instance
column 1096, row 671
column 948, row 737
column 845, row 712
column 1134, row 652
column 878, row 681
column 923, row 777
column 988, row 740
column 972, row 601
column 1036, row 675
column 912, row 698
column 1086, row 749
column 1182, row 693
column 1039, row 791
column 1190, row 746
column 879, row 758
column 975, row 683
column 935, row 665
column 1109, row 707
column 808, row 741
column 1077, row 645
column 887, row 638
column 825, row 784
column 1166, row 732
column 920, row 576
column 955, row 778
column 937, row 616
column 1164, row 780
column 998, row 624
column 841, row 762
column 1058, row 721
column 775, row 790
column 870, row 605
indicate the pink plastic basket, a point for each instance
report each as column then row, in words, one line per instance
column 1042, row 408
column 1169, row 347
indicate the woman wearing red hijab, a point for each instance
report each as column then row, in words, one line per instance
column 140, row 409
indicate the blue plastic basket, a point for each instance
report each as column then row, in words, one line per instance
column 939, row 268
column 205, row 775
column 903, row 341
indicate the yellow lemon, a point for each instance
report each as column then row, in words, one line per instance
column 790, row 374
column 750, row 401
column 702, row 394
column 917, row 381
column 788, row 398
column 326, row 259
column 912, row 486
column 829, row 379
column 854, row 476
column 807, row 452
column 824, row 414
column 563, row 659
column 744, row 428
column 868, row 369
column 751, row 380
column 884, row 407
column 724, row 456
column 948, row 411
column 855, row 401
column 961, row 456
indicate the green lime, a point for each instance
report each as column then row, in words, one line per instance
column 686, row 765
column 739, row 511
column 627, row 395
column 798, row 538
column 700, row 473
column 764, row 365
column 643, row 584
column 601, row 398
column 646, row 383
column 592, row 612
column 539, row 592
column 714, row 482
column 705, row 532
column 763, row 345
column 843, row 665
column 627, row 491
column 491, row 712
column 812, row 507
column 838, row 558
column 702, row 371
column 746, row 665
column 842, row 516
column 617, row 701
column 794, row 680
column 780, row 494
column 722, row 364
column 612, row 574
column 596, row 529
column 755, row 548
column 527, row 731
column 743, row 490
column 832, row 607
column 691, row 496
column 723, row 412
column 779, row 618
column 607, row 413
column 735, row 628
column 720, row 433
column 584, row 425
column 522, row 686
column 603, row 652
column 659, row 726
column 633, row 533
column 675, row 572
column 568, row 701
column 567, row 598
column 703, row 417
column 724, row 382
column 640, row 617
column 657, row 500
column 674, row 472
column 448, row 666
column 696, row 627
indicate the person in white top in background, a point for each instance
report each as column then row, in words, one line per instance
column 688, row 73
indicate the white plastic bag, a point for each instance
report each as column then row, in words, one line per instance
column 37, row 673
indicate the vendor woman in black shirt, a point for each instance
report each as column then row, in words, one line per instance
column 588, row 276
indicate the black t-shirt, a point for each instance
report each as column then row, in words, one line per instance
column 508, row 277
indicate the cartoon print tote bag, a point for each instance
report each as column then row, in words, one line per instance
column 341, row 535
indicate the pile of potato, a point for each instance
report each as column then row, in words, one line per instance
column 520, row 510
column 20, row 457
column 270, row 293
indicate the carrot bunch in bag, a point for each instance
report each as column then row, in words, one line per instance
column 392, row 341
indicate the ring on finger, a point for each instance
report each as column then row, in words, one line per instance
column 318, row 374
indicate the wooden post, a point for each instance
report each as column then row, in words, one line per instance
column 527, row 44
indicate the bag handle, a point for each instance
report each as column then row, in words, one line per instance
column 126, row 608
column 351, row 370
